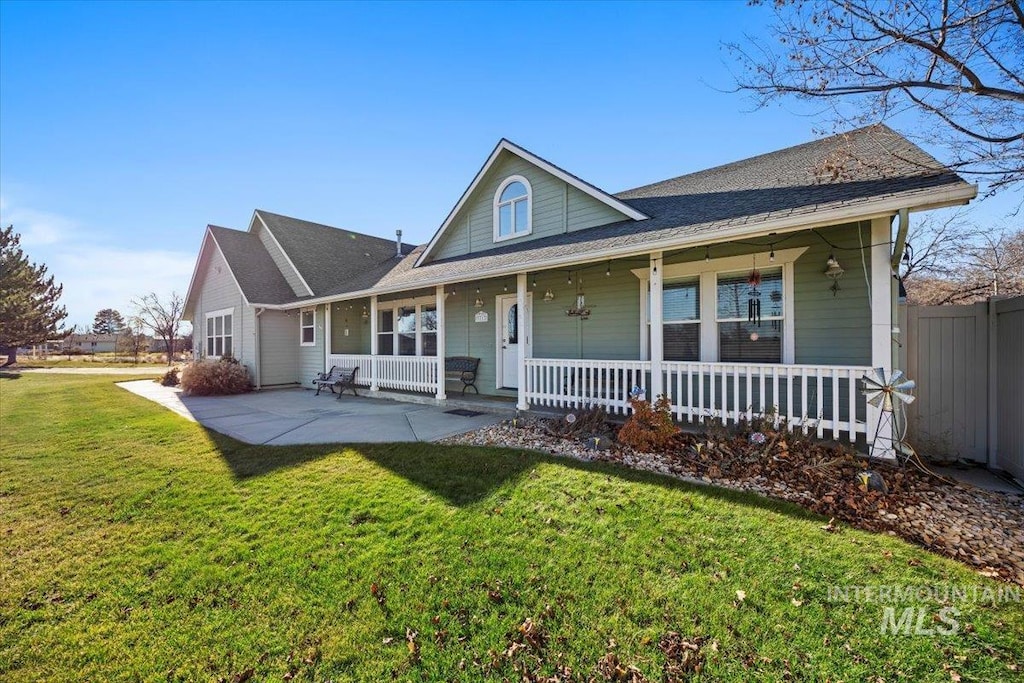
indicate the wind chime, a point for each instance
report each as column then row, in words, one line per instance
column 754, row 296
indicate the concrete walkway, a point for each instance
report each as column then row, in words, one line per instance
column 140, row 370
column 297, row 416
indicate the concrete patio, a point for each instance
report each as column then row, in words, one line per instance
column 297, row 416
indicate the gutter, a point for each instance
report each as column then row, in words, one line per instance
column 880, row 209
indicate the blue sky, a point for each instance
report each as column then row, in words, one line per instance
column 125, row 128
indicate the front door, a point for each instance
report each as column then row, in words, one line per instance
column 511, row 340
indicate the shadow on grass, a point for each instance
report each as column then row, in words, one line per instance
column 464, row 475
column 10, row 374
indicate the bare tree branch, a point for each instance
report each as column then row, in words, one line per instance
column 162, row 317
column 958, row 65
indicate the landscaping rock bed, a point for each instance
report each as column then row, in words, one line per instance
column 980, row 528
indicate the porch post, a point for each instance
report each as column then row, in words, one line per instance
column 373, row 343
column 881, row 313
column 524, row 341
column 327, row 337
column 439, row 336
column 657, row 329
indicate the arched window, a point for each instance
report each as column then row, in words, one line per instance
column 512, row 210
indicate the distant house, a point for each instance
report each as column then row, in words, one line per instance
column 719, row 289
column 92, row 343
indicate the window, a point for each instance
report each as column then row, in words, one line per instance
column 750, row 317
column 512, row 211
column 307, row 327
column 386, row 333
column 406, row 317
column 219, row 333
column 407, row 329
column 428, row 330
column 681, row 316
column 712, row 313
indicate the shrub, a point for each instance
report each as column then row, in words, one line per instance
column 170, row 378
column 649, row 428
column 214, row 378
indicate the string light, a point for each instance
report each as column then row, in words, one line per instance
column 771, row 256
column 707, row 254
column 608, row 270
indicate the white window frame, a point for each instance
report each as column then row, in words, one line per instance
column 303, row 327
column 418, row 304
column 695, row 321
column 708, row 272
column 498, row 237
column 207, row 336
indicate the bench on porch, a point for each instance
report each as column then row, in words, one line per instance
column 343, row 378
column 462, row 368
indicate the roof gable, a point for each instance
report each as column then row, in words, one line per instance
column 505, row 147
column 324, row 256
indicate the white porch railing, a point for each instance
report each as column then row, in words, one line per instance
column 816, row 398
column 566, row 383
column 406, row 373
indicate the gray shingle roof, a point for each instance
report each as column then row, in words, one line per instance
column 839, row 172
column 257, row 275
column 325, row 256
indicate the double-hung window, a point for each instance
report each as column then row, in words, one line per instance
column 307, row 327
column 219, row 333
column 681, row 319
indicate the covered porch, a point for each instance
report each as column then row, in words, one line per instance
column 660, row 322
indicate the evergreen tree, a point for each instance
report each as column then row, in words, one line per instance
column 107, row 321
column 29, row 313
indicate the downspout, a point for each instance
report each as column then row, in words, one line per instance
column 258, row 328
column 897, row 256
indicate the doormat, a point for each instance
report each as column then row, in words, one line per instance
column 462, row 412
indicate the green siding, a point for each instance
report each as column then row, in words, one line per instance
column 349, row 315
column 829, row 329
column 557, row 208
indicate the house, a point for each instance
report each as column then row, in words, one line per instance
column 723, row 289
column 92, row 343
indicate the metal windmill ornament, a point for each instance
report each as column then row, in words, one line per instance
column 887, row 394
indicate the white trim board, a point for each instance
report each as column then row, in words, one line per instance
column 505, row 145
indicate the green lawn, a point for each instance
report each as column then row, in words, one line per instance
column 137, row 546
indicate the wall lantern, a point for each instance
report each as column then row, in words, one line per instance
column 479, row 303
column 833, row 271
column 549, row 295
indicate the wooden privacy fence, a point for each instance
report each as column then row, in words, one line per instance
column 968, row 362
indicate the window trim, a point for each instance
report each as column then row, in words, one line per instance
column 419, row 303
column 497, row 203
column 207, row 336
column 312, row 326
column 708, row 272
